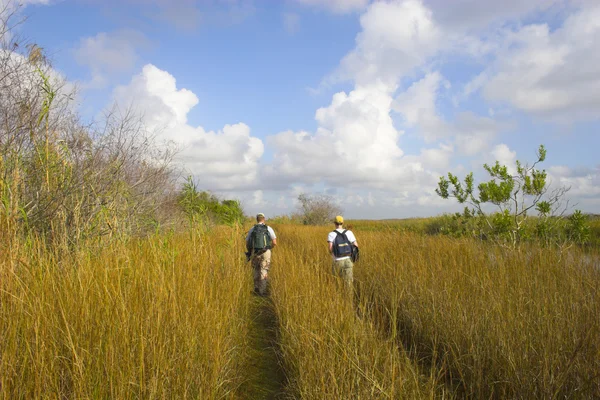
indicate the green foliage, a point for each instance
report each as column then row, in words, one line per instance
column 231, row 212
column 502, row 223
column 190, row 202
column 204, row 207
column 578, row 228
column 515, row 196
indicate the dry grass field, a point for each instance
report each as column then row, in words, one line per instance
column 172, row 316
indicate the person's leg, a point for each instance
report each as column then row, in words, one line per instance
column 265, row 264
column 256, row 273
column 336, row 268
column 343, row 269
column 346, row 271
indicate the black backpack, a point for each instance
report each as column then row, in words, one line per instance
column 260, row 238
column 355, row 254
column 341, row 245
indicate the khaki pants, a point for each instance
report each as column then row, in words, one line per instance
column 343, row 269
column 260, row 266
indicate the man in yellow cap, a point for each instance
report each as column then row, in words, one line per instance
column 259, row 242
column 340, row 247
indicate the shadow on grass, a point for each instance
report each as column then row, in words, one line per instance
column 423, row 352
column 473, row 381
column 266, row 378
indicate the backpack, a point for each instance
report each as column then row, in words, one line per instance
column 260, row 238
column 341, row 245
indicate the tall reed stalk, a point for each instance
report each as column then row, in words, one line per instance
column 331, row 351
column 150, row 318
column 496, row 323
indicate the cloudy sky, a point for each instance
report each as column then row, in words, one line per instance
column 367, row 101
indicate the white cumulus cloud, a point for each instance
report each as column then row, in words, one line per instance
column 584, row 184
column 399, row 71
column 505, row 156
column 549, row 72
column 396, row 37
column 222, row 160
column 356, row 142
column 418, row 107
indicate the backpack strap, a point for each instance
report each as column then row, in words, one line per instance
column 342, row 233
column 269, row 236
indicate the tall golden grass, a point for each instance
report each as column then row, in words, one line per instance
column 152, row 318
column 330, row 352
column 495, row 323
column 171, row 316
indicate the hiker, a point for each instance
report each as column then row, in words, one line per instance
column 259, row 242
column 341, row 242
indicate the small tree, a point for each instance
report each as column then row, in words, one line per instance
column 515, row 197
column 317, row 209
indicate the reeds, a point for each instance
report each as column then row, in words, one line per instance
column 495, row 323
column 330, row 351
column 153, row 318
column 171, row 316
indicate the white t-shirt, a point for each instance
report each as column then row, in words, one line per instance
column 349, row 235
column 271, row 232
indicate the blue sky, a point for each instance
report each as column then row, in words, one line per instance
column 370, row 101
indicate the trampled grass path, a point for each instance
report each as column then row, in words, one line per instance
column 265, row 377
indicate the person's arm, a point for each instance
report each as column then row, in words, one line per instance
column 330, row 239
column 273, row 236
column 248, row 244
column 354, row 243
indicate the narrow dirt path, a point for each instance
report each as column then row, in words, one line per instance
column 265, row 376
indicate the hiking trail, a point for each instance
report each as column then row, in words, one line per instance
column 265, row 376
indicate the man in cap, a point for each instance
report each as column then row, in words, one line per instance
column 259, row 242
column 340, row 247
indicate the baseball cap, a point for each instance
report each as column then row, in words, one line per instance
column 339, row 219
column 260, row 215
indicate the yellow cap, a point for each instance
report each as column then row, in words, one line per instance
column 339, row 219
column 260, row 215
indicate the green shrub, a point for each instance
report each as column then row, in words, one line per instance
column 204, row 207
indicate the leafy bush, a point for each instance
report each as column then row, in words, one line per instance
column 578, row 229
column 204, row 207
